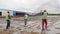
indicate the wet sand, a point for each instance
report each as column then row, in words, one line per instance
column 33, row 25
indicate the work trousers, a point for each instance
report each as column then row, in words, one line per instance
column 44, row 24
column 25, row 20
column 8, row 24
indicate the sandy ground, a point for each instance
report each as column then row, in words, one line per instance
column 33, row 25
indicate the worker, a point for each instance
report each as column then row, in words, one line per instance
column 25, row 18
column 44, row 19
column 8, row 19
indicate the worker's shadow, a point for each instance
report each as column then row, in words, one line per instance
column 43, row 32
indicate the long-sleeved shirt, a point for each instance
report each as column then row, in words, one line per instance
column 8, row 16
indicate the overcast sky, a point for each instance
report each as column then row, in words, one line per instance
column 31, row 5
